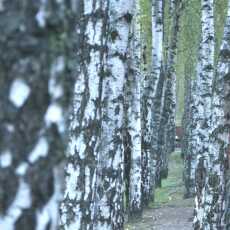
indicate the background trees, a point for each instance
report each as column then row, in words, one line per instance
column 208, row 141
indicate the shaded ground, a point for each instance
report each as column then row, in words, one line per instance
column 170, row 211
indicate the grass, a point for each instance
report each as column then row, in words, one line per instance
column 169, row 195
column 172, row 191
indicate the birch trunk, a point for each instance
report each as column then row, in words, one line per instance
column 177, row 6
column 94, row 173
column 203, row 199
column 150, row 93
column 192, row 154
column 224, row 71
column 156, row 140
column 186, row 115
column 133, row 119
column 188, row 150
column 167, row 123
column 33, row 68
column 157, row 56
column 145, row 158
column 215, row 189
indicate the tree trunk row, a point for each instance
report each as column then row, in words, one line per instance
column 206, row 143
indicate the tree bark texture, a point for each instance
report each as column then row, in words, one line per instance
column 203, row 199
column 35, row 85
column 95, row 168
column 133, row 119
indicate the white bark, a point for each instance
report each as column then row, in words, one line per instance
column 215, row 189
column 167, row 116
column 157, row 41
column 205, row 77
column 134, row 118
column 157, row 56
column 94, row 181
column 189, row 148
column 150, row 94
column 145, row 161
column 111, row 159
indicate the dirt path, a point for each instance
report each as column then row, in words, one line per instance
column 170, row 211
column 166, row 218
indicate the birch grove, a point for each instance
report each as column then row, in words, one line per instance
column 114, row 114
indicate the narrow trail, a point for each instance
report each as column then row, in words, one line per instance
column 169, row 211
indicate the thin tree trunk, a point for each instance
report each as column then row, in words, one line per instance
column 167, row 123
column 145, row 158
column 188, row 148
column 156, row 140
column 133, row 118
column 171, row 74
column 157, row 56
column 203, row 199
column 150, row 93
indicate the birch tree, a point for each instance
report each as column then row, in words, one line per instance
column 177, row 8
column 145, row 158
column 205, row 78
column 168, row 111
column 150, row 92
column 157, row 57
column 186, row 115
column 94, row 172
column 33, row 67
column 133, row 119
column 190, row 29
column 215, row 184
column 189, row 147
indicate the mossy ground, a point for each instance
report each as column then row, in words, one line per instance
column 169, row 210
column 172, row 191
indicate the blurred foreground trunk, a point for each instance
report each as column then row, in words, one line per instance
column 36, row 44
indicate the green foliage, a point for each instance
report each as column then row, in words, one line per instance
column 167, row 20
column 188, row 43
column 146, row 28
column 220, row 16
column 188, row 40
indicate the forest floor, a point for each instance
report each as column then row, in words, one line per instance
column 170, row 211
